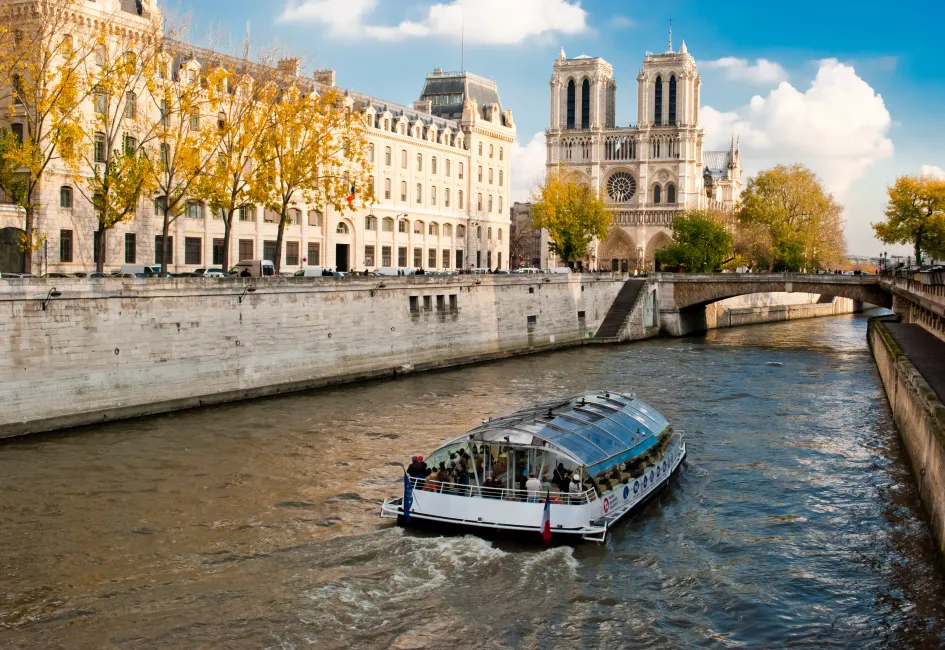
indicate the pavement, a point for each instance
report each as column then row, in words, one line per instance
column 925, row 351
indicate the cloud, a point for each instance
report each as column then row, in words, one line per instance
column 762, row 72
column 933, row 171
column 838, row 127
column 621, row 22
column 528, row 167
column 490, row 22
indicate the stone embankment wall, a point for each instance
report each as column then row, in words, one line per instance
column 774, row 307
column 920, row 418
column 110, row 348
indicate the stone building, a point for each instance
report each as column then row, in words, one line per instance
column 649, row 172
column 441, row 171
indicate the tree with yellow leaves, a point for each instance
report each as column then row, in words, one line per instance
column 572, row 213
column 43, row 54
column 915, row 215
column 317, row 148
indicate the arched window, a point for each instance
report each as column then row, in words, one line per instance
column 491, row 151
column 370, row 222
column 403, row 191
column 490, row 203
column 419, row 162
column 460, row 231
column 460, row 199
column 501, row 154
column 387, row 188
column 480, row 173
column 501, row 178
column 418, row 227
column 65, row 197
column 658, row 108
column 480, row 148
column 447, row 166
column 370, row 152
column 446, row 198
column 586, row 104
column 433, row 229
column 670, row 193
column 388, row 224
column 500, row 205
column 490, row 176
column 447, row 230
column 433, row 165
column 315, row 218
column 160, row 205
column 99, row 148
column 479, row 202
column 570, row 123
column 402, row 225
column 500, row 234
column 656, row 194
column 419, row 193
column 387, row 156
column 460, row 171
column 478, row 232
column 433, row 195
column 672, row 100
column 342, row 228
column 403, row 159
column 490, row 233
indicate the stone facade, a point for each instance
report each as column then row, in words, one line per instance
column 649, row 172
column 441, row 180
column 528, row 247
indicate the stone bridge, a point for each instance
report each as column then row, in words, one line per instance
column 682, row 298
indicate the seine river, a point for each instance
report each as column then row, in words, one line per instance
column 795, row 522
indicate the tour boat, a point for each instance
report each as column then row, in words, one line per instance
column 620, row 450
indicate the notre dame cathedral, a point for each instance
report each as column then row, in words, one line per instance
column 650, row 171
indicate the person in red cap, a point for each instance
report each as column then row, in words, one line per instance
column 416, row 469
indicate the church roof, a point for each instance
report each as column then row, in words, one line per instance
column 716, row 162
column 448, row 90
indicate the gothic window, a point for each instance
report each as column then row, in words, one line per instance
column 670, row 193
column 571, row 104
column 658, row 110
column 656, row 194
column 672, row 100
column 586, row 104
column 621, row 187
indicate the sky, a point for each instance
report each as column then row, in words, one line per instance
column 853, row 90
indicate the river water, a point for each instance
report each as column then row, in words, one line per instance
column 794, row 523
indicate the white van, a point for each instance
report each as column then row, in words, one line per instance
column 139, row 268
column 255, row 268
column 396, row 270
column 527, row 269
column 313, row 272
column 560, row 269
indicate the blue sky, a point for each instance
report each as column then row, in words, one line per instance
column 855, row 90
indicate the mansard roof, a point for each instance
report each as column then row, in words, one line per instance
column 444, row 88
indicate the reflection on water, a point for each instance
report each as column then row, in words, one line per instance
column 256, row 524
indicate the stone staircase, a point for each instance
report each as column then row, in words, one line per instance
column 619, row 311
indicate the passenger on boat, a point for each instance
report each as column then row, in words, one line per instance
column 533, row 486
column 460, row 479
column 442, row 475
column 492, row 482
column 560, row 477
column 416, row 468
column 575, row 486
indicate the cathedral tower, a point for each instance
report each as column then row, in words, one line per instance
column 668, row 93
column 582, row 93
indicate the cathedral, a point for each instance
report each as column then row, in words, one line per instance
column 649, row 172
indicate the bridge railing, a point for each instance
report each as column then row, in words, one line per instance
column 927, row 286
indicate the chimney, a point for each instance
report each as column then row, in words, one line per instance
column 423, row 106
column 289, row 65
column 324, row 76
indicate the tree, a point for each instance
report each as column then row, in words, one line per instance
column 572, row 213
column 317, row 148
column 231, row 181
column 915, row 215
column 789, row 203
column 700, row 244
column 43, row 54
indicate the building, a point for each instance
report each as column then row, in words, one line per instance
column 441, row 171
column 649, row 172
column 528, row 246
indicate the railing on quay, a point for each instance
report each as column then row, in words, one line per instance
column 502, row 494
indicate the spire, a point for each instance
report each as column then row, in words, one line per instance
column 732, row 148
column 682, row 49
column 562, row 56
column 670, row 34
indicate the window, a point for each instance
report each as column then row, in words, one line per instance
column 164, row 113
column 385, row 256
column 370, row 222
column 217, row 251
column 192, row 250
column 195, row 121
column 247, row 249
column 446, row 198
column 571, row 101
column 96, row 243
column 490, row 203
column 490, row 176
column 159, row 249
column 460, row 231
column 131, row 248
column 131, row 105
column 370, row 152
column 295, row 216
column 480, row 148
column 342, row 228
column 447, row 166
column 65, row 245
column 314, row 253
column 221, row 120
column 387, row 156
column 447, row 230
column 459, row 198
column 500, row 234
column 130, row 144
column 403, row 158
column 269, row 216
column 501, row 153
column 99, row 100
column 292, row 253
column 433, row 165
column 17, row 130
column 479, row 232
column 491, row 151
column 419, row 162
column 246, row 213
column 656, row 194
column 479, row 202
column 480, row 173
column 387, row 188
column 402, row 227
column 315, row 218
column 387, row 224
column 369, row 256
column 532, row 320
column 446, row 258
column 500, row 205
column 414, row 301
column 670, row 193
column 403, row 191
column 489, row 233
column 454, row 299
column 419, row 193
column 402, row 256
column 418, row 227
column 433, row 195
column 194, row 211
column 658, row 103
column 160, row 206
column 65, row 197
column 441, row 303
column 433, row 229
column 165, row 155
column 99, row 147
column 418, row 257
column 672, row 101
column 586, row 104
column 269, row 250
column 501, row 178
column 460, row 171
column 18, row 89
column 387, row 124
column 428, row 303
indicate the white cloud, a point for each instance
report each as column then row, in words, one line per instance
column 621, row 22
column 933, row 171
column 762, row 71
column 528, row 167
column 838, row 127
column 492, row 22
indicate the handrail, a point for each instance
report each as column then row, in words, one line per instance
column 504, row 494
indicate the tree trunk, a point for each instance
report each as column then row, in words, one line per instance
column 277, row 263
column 918, row 247
column 227, row 234
column 100, row 265
column 164, row 243
column 28, row 253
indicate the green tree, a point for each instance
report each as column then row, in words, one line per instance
column 788, row 203
column 700, row 244
column 915, row 215
column 571, row 212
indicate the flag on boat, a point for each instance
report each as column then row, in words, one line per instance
column 546, row 518
column 408, row 498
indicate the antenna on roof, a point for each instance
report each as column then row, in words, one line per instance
column 462, row 45
column 246, row 45
column 670, row 32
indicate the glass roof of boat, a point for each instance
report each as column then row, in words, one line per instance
column 598, row 428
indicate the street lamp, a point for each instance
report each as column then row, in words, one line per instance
column 246, row 289
column 49, row 296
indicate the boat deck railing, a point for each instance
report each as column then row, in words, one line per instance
column 504, row 494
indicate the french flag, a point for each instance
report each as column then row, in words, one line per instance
column 546, row 519
column 351, row 195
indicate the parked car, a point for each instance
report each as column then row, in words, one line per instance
column 255, row 268
column 212, row 273
column 80, row 274
column 57, row 275
column 184, row 275
column 312, row 272
column 101, row 275
column 12, row 276
column 140, row 268
column 396, row 270
column 526, row 270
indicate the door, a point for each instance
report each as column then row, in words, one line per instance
column 341, row 257
column 12, row 259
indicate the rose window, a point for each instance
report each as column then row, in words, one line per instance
column 621, row 187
